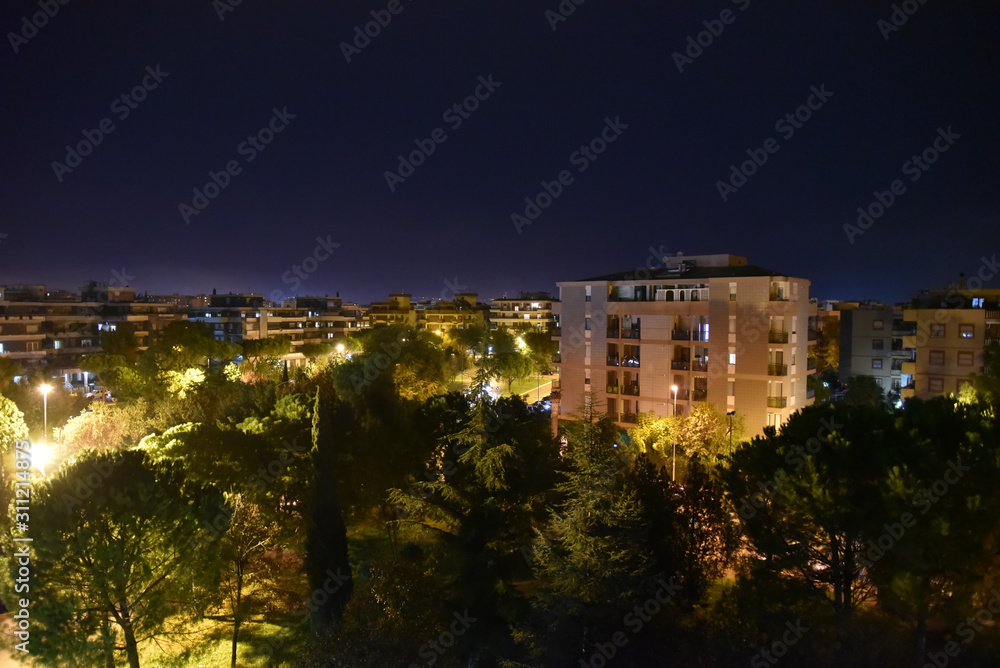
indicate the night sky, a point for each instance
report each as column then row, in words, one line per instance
column 448, row 225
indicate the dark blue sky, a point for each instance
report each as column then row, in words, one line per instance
column 323, row 175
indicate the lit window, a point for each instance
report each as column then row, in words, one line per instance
column 967, row 331
column 877, row 363
column 57, row 345
column 732, row 358
column 977, row 302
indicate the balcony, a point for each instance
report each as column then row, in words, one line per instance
column 810, row 393
column 632, row 333
column 631, row 418
column 631, row 362
column 612, row 360
column 699, row 336
column 777, row 337
column 555, row 332
column 612, row 389
column 777, row 402
column 777, row 296
column 700, row 366
column 680, row 365
column 777, row 369
column 612, row 332
column 699, row 395
column 812, row 335
column 631, row 389
column 682, row 395
column 680, row 335
column 557, row 358
column 810, row 363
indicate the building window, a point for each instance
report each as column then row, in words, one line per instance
column 967, row 331
column 878, row 324
column 937, row 331
column 879, row 381
column 732, row 388
column 877, row 344
column 877, row 363
column 586, row 324
column 587, row 287
column 936, row 385
column 965, row 358
column 732, row 358
column 977, row 302
column 936, row 357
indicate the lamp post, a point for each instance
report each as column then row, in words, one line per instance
column 45, row 389
column 731, row 414
column 673, row 456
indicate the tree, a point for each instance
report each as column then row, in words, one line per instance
column 9, row 370
column 326, row 534
column 242, row 546
column 864, row 391
column 505, row 360
column 12, row 429
column 541, row 349
column 121, row 342
column 828, row 347
column 105, row 426
column 123, row 550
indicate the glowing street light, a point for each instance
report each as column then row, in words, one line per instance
column 673, row 457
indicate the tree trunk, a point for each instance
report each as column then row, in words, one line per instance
column 131, row 647
column 109, row 643
column 237, row 613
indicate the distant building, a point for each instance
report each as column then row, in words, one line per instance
column 438, row 315
column 533, row 309
column 720, row 330
column 52, row 330
column 951, row 329
column 871, row 344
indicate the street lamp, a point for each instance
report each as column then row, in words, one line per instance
column 731, row 414
column 673, row 456
column 45, row 389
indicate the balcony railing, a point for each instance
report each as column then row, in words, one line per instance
column 699, row 336
column 557, row 358
column 777, row 337
column 810, row 364
column 631, row 418
column 777, row 296
column 680, row 365
column 682, row 395
column 630, row 361
column 612, row 389
column 810, row 393
column 555, row 331
column 699, row 395
column 612, row 360
column 680, row 335
column 631, row 390
column 632, row 333
column 777, row 369
column 612, row 332
column 777, row 402
column 699, row 366
column 812, row 335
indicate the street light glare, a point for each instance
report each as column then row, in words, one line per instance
column 44, row 389
column 41, row 455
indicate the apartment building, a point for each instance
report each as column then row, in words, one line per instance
column 438, row 315
column 54, row 329
column 712, row 326
column 533, row 309
column 235, row 318
column 871, row 344
column 951, row 329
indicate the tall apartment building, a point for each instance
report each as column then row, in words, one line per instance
column 713, row 326
column 952, row 327
column 432, row 315
column 529, row 308
column 54, row 329
column 871, row 344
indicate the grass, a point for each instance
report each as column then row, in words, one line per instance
column 528, row 386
